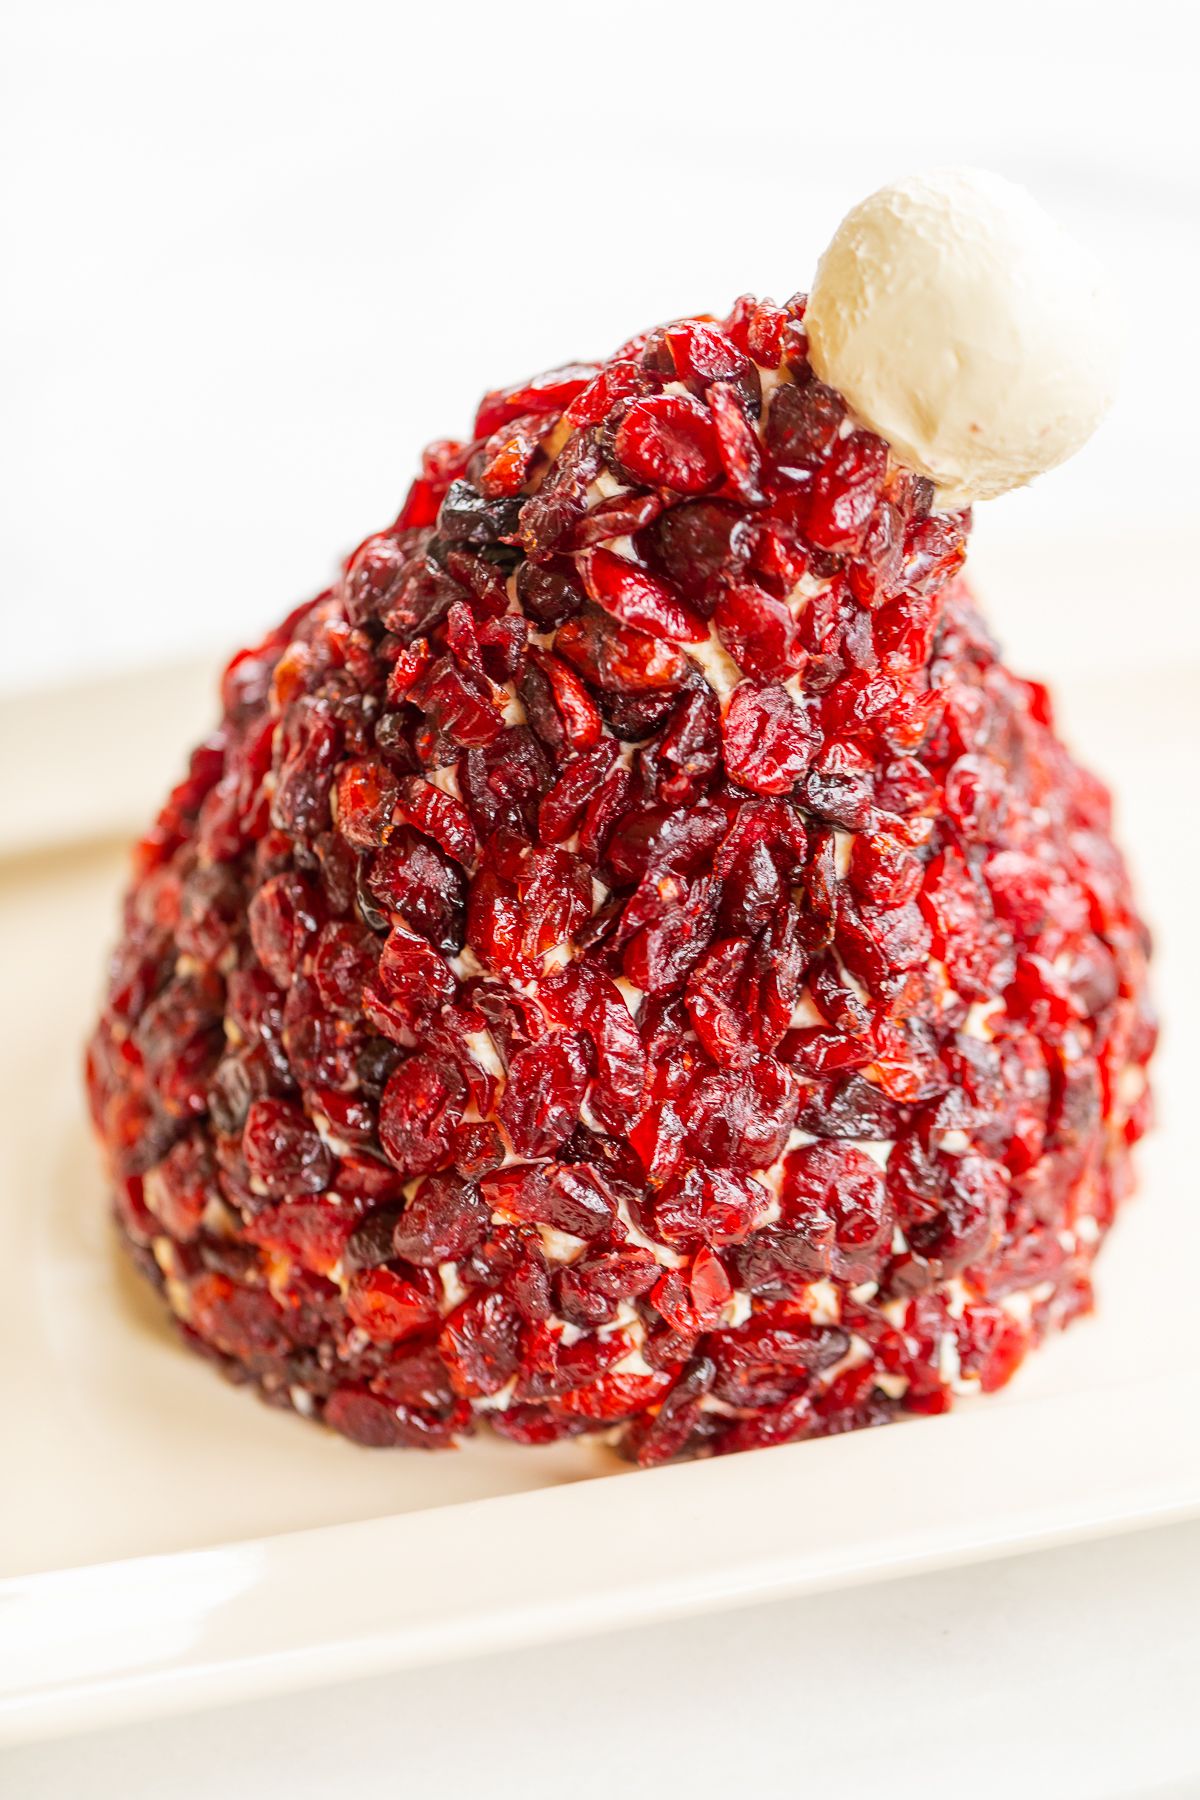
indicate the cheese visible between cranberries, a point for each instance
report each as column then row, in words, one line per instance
column 631, row 958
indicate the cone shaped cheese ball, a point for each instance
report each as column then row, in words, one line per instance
column 631, row 958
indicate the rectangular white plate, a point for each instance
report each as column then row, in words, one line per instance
column 166, row 1542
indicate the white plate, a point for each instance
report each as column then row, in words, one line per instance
column 168, row 1543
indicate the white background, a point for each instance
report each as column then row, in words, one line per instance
column 258, row 254
column 254, row 255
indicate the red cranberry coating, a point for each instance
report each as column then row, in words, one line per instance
column 630, row 958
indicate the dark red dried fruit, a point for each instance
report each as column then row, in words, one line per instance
column 802, row 427
column 534, row 398
column 759, row 632
column 543, row 1094
column 698, row 547
column 284, row 1152
column 668, row 441
column 769, row 738
column 846, row 491
column 523, row 1016
column 445, row 1220
column 835, row 1201
column 637, row 598
column 420, row 1107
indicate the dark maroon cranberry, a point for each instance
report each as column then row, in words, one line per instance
column 543, row 1094
column 284, row 1153
column 514, row 1023
column 699, row 546
column 283, row 918
column 549, row 592
column 467, row 516
column 589, row 1292
column 571, row 1197
column 419, row 1109
column 802, row 427
column 308, row 742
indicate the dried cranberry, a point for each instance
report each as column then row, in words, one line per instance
column 709, row 1206
column 480, row 1344
column 445, row 1220
column 543, row 1094
column 388, row 1306
column 668, row 440
column 420, row 1107
column 759, row 633
column 844, row 494
column 284, row 1152
column 769, row 738
column 637, row 598
column 513, row 1023
column 834, row 1198
column 698, row 547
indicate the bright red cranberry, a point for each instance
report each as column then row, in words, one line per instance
column 834, row 1198
column 759, row 632
column 668, row 440
column 514, row 1023
column 284, row 1152
column 637, row 598
column 845, row 493
column 769, row 738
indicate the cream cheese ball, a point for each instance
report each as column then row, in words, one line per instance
column 631, row 961
column 966, row 329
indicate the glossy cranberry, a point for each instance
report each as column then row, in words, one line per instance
column 366, row 794
column 668, row 441
column 543, row 394
column 312, row 1233
column 769, row 738
column 284, row 1152
column 637, row 598
column 413, row 982
column 845, row 493
column 834, row 1198
column 388, row 1306
column 709, row 1206
column 589, row 1292
column 283, row 917
column 737, row 442
column 480, row 1345
column 420, row 1107
column 631, row 959
column 759, row 632
column 544, row 1092
column 445, row 1220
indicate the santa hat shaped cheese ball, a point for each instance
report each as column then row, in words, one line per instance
column 631, row 958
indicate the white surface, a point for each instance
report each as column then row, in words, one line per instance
column 224, row 230
column 1060, row 1676
column 439, row 1557
column 256, row 254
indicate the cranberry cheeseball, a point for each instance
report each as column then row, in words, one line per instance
column 631, row 958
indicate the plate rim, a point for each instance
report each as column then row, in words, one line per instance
column 112, row 1643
